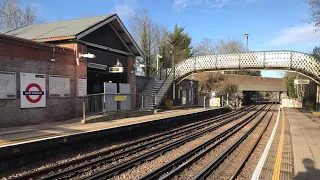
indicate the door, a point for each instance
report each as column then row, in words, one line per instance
column 110, row 89
column 125, row 90
column 184, row 97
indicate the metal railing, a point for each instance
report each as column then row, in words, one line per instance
column 153, row 79
column 280, row 60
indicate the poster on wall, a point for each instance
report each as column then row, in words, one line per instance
column 8, row 85
column 59, row 86
column 32, row 90
column 82, row 87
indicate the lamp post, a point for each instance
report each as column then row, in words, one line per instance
column 173, row 83
column 158, row 56
column 247, row 36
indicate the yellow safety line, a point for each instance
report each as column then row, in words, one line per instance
column 277, row 164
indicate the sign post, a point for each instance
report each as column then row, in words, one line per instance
column 32, row 90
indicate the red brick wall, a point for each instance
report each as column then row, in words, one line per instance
column 18, row 55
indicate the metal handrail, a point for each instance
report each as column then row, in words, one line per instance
column 151, row 80
column 171, row 70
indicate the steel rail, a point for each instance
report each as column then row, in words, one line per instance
column 244, row 161
column 217, row 161
column 51, row 169
column 134, row 150
column 194, row 154
column 131, row 163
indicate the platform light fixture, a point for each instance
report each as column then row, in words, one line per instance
column 88, row 55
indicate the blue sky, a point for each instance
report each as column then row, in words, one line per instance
column 271, row 24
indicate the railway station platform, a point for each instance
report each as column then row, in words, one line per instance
column 293, row 151
column 29, row 144
column 26, row 134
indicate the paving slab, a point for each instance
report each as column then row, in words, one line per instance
column 305, row 133
column 285, row 168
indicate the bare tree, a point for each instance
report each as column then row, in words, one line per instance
column 209, row 81
column 206, row 46
column 229, row 46
column 149, row 35
column 315, row 12
column 13, row 15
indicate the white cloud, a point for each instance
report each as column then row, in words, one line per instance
column 213, row 4
column 35, row 5
column 180, row 4
column 299, row 34
column 124, row 9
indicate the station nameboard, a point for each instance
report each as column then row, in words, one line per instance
column 301, row 81
column 115, row 69
column 120, row 98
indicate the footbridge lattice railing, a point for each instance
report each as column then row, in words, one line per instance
column 259, row 60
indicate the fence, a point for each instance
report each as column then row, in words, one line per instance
column 208, row 101
column 291, row 103
column 102, row 103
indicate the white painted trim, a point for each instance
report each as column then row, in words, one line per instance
column 257, row 171
column 104, row 47
column 124, row 43
column 90, row 30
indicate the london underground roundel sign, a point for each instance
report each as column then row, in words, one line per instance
column 38, row 93
column 32, row 90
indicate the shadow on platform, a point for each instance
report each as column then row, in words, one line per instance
column 311, row 174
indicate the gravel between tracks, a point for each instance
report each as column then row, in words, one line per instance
column 127, row 158
column 204, row 161
column 140, row 170
column 234, row 160
column 254, row 158
column 71, row 156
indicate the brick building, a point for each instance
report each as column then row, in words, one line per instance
column 104, row 36
column 20, row 55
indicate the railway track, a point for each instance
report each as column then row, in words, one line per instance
column 121, row 167
column 78, row 166
column 178, row 165
column 229, row 163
